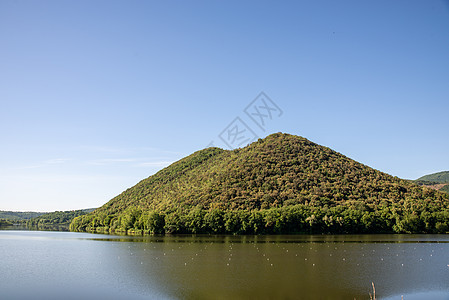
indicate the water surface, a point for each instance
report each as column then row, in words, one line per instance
column 65, row 265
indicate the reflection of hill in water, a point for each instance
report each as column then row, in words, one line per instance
column 62, row 265
column 285, row 267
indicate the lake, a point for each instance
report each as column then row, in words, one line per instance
column 67, row 265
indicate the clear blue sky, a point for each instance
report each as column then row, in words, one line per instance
column 97, row 95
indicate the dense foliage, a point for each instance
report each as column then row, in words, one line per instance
column 440, row 177
column 281, row 184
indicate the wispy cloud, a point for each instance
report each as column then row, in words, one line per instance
column 123, row 150
column 56, row 161
column 110, row 155
column 34, row 166
column 45, row 163
column 110, row 161
column 155, row 164
column 131, row 162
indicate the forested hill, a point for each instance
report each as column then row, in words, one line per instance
column 441, row 177
column 19, row 215
column 280, row 184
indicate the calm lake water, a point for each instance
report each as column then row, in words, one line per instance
column 66, row 265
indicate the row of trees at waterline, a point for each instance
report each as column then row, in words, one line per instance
column 283, row 220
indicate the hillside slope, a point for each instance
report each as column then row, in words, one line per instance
column 279, row 184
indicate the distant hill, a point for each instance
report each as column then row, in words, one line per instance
column 440, row 177
column 18, row 215
column 438, row 181
column 56, row 219
column 280, row 184
column 445, row 189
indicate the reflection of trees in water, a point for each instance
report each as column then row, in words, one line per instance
column 13, row 227
column 40, row 227
column 280, row 267
column 48, row 227
column 231, row 267
column 4, row 222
